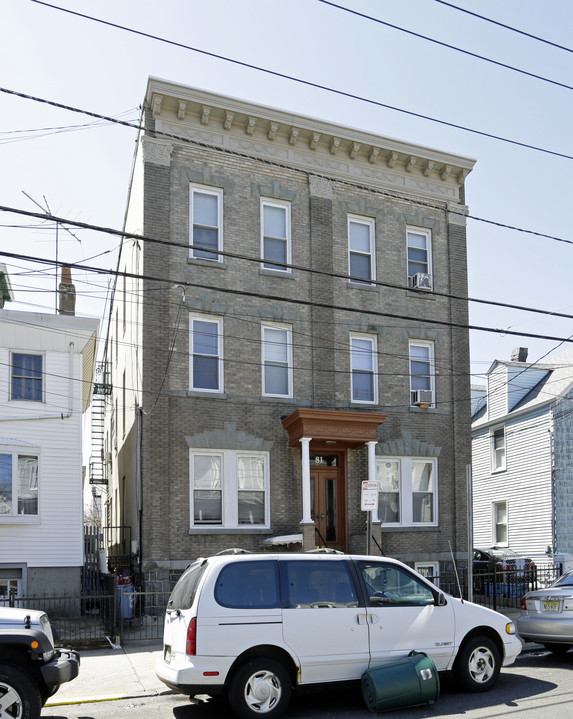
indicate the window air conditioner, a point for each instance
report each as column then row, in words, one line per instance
column 422, row 397
column 421, row 281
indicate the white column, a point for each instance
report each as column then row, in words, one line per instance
column 306, row 517
column 372, row 472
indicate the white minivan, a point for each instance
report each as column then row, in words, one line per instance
column 259, row 625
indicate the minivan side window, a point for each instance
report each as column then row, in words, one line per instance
column 183, row 593
column 317, row 584
column 248, row 585
column 387, row 584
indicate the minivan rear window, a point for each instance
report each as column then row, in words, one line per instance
column 248, row 585
column 183, row 592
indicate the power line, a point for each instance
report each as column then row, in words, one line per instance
column 507, row 27
column 446, row 45
column 308, row 83
column 295, row 301
column 258, row 260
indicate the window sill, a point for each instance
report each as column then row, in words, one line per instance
column 424, row 294
column 501, row 470
column 429, row 410
column 242, row 529
column 410, row 528
column 215, row 264
column 278, row 398
column 285, row 274
column 206, row 395
column 362, row 286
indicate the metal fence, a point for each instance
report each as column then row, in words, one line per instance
column 102, row 619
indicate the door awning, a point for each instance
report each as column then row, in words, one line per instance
column 345, row 429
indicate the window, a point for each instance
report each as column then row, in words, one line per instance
column 18, row 483
column 229, row 488
column 249, row 585
column 419, row 252
column 206, row 223
column 275, row 235
column 500, row 524
column 361, row 259
column 387, row 584
column 27, row 377
column 315, row 584
column 421, row 373
column 206, row 345
column 363, row 369
column 498, row 449
column 277, row 360
column 407, row 491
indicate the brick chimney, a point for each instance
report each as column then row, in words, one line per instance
column 519, row 354
column 67, row 293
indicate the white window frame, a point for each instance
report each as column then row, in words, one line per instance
column 287, row 329
column 495, row 454
column 16, row 451
column 230, row 488
column 373, row 340
column 496, row 523
column 269, row 265
column 41, row 379
column 371, row 253
column 430, row 570
column 432, row 369
column 216, row 321
column 405, row 492
column 194, row 250
column 427, row 234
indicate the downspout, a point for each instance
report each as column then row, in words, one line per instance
column 59, row 415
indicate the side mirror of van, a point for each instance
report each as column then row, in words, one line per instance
column 441, row 600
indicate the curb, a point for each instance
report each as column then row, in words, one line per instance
column 106, row 698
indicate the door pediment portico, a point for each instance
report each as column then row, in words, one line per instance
column 347, row 429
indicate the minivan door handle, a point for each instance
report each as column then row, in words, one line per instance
column 372, row 619
column 361, row 618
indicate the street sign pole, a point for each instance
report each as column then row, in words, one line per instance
column 368, row 502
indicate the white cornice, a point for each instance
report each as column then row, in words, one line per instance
column 316, row 145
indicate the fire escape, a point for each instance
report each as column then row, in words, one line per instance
column 98, row 462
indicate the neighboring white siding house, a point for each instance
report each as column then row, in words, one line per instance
column 521, row 457
column 46, row 371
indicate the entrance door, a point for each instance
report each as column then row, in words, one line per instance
column 328, row 501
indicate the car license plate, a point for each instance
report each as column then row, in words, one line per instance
column 550, row 606
column 167, row 654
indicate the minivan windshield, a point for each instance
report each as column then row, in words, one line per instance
column 183, row 593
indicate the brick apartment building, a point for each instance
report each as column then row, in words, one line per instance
column 291, row 323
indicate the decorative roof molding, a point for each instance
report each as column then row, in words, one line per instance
column 307, row 143
column 229, row 438
column 320, row 187
column 406, row 446
column 457, row 214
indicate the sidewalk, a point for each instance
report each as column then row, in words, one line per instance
column 108, row 674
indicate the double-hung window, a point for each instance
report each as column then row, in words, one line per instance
column 277, row 360
column 206, row 348
column 27, row 377
column 206, row 222
column 364, row 368
column 18, row 482
column 361, row 257
column 276, row 235
column 500, row 533
column 229, row 488
column 407, row 490
column 419, row 257
column 422, row 373
column 497, row 449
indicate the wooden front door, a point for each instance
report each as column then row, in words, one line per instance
column 328, row 509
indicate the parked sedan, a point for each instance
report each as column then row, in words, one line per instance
column 547, row 615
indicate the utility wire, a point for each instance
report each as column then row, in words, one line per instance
column 507, row 27
column 294, row 301
column 445, row 44
column 308, row 83
column 258, row 260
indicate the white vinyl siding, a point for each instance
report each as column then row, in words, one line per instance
column 206, row 222
column 361, row 255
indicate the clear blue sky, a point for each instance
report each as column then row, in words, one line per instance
column 81, row 167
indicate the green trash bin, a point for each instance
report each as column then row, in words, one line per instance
column 405, row 682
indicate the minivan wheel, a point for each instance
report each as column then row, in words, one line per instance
column 19, row 696
column 477, row 664
column 260, row 688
